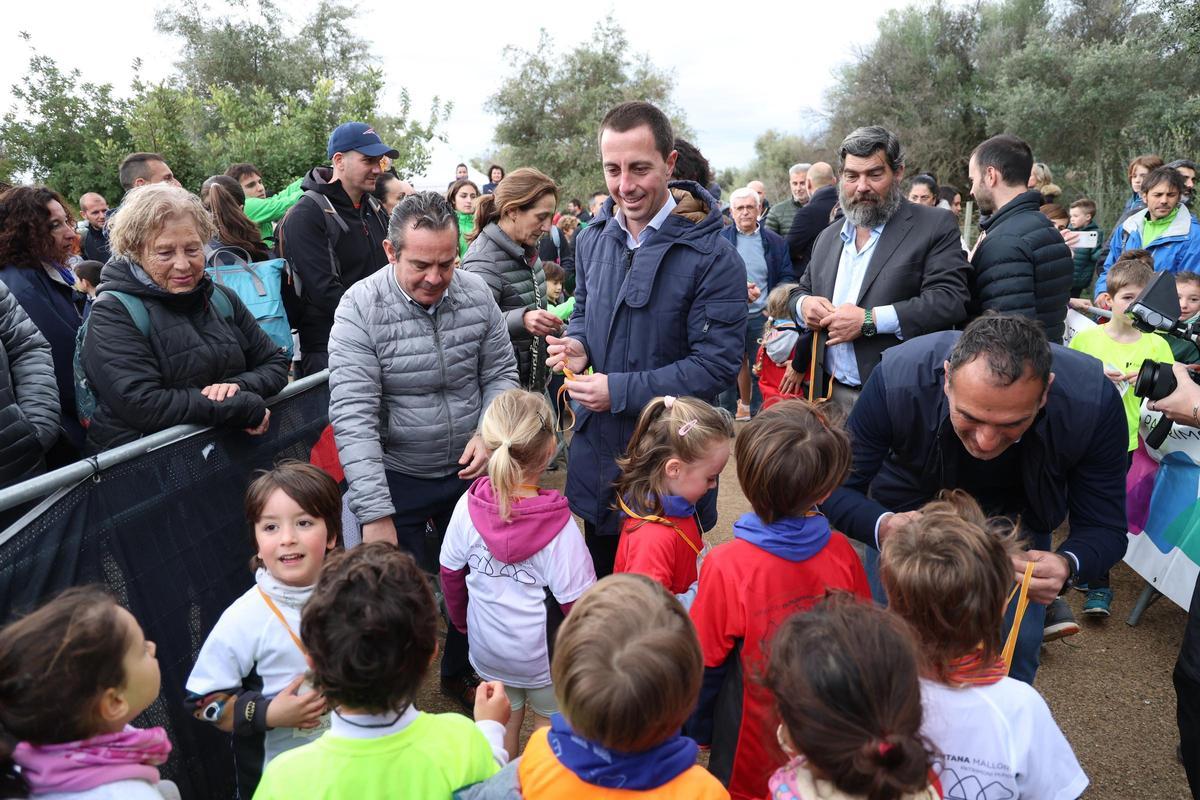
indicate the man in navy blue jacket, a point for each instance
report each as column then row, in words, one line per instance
column 660, row 309
column 1031, row 430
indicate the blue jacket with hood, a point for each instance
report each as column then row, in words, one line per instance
column 1177, row 250
column 666, row 318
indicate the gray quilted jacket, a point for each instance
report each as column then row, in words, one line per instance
column 29, row 407
column 406, row 387
column 518, row 285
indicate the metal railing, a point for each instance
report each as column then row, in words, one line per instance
column 72, row 474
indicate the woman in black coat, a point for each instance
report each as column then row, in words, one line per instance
column 202, row 359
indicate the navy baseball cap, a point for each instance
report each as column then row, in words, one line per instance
column 361, row 137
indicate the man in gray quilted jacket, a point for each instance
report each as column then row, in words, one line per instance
column 416, row 353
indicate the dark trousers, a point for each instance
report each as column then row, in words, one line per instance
column 1187, row 714
column 311, row 364
column 603, row 549
column 423, row 509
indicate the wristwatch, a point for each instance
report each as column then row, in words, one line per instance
column 868, row 328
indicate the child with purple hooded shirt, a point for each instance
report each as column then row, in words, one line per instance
column 518, row 541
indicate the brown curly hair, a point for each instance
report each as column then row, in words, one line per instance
column 25, row 239
column 370, row 628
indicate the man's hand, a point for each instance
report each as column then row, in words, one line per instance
column 219, row 391
column 541, row 322
column 492, row 703
column 894, row 522
column 1050, row 572
column 814, row 309
column 1183, row 404
column 566, row 353
column 591, row 391
column 262, row 427
column 844, row 324
column 475, row 456
column 752, row 291
column 381, row 530
column 1079, row 303
column 790, row 383
column 289, row 709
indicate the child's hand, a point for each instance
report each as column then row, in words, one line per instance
column 1079, row 303
column 492, row 703
column 288, row 709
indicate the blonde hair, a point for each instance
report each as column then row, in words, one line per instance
column 627, row 664
column 517, row 428
column 948, row 574
column 669, row 427
column 519, row 190
column 567, row 223
column 1129, row 272
column 777, row 301
column 144, row 214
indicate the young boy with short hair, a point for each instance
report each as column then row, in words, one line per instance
column 626, row 673
column 1187, row 285
column 555, row 303
column 1082, row 215
column 1121, row 349
column 370, row 632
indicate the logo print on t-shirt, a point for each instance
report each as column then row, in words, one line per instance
column 485, row 565
column 969, row 787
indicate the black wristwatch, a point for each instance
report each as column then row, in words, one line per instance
column 868, row 328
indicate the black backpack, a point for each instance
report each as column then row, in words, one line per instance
column 335, row 228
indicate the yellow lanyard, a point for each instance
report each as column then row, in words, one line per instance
column 275, row 609
column 1010, row 645
column 659, row 520
column 564, row 403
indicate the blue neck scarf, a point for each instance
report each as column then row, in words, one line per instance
column 793, row 538
column 593, row 764
column 676, row 506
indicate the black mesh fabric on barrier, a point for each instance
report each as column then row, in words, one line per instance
column 166, row 533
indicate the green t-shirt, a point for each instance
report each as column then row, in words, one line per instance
column 1126, row 358
column 265, row 212
column 466, row 226
column 431, row 758
column 1154, row 228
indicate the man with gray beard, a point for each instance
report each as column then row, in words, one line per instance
column 890, row 270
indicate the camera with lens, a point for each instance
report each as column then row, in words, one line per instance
column 1156, row 310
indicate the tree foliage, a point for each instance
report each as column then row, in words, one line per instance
column 247, row 87
column 550, row 104
column 1088, row 83
column 774, row 154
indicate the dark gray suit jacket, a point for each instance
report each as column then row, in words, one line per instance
column 918, row 267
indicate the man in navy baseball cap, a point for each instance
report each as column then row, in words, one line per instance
column 360, row 137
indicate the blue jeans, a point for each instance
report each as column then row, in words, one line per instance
column 1028, row 652
column 728, row 399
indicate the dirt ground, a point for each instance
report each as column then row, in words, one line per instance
column 1109, row 686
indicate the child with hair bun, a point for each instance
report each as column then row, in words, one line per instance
column 779, row 339
column 73, row 675
column 845, row 679
column 675, row 455
column 518, row 542
column 783, row 558
column 249, row 678
column 950, row 578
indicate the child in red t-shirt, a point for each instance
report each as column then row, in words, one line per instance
column 783, row 558
column 676, row 453
column 779, row 338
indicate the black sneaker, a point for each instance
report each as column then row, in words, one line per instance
column 1060, row 621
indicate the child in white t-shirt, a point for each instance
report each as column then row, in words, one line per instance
column 519, row 542
column 249, row 677
column 993, row 736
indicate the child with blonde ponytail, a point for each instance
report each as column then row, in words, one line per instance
column 507, row 546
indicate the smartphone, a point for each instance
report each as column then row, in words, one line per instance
column 1087, row 239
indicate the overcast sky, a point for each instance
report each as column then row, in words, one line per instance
column 736, row 76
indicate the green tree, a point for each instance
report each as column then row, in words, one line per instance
column 64, row 132
column 550, row 105
column 774, row 154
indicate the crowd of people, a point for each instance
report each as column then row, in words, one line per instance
column 907, row 427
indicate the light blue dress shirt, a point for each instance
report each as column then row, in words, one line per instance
column 654, row 224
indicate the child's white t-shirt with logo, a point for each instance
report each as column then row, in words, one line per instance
column 998, row 741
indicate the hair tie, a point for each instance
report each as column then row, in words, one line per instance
column 686, row 427
column 885, row 747
column 669, row 401
column 506, row 442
